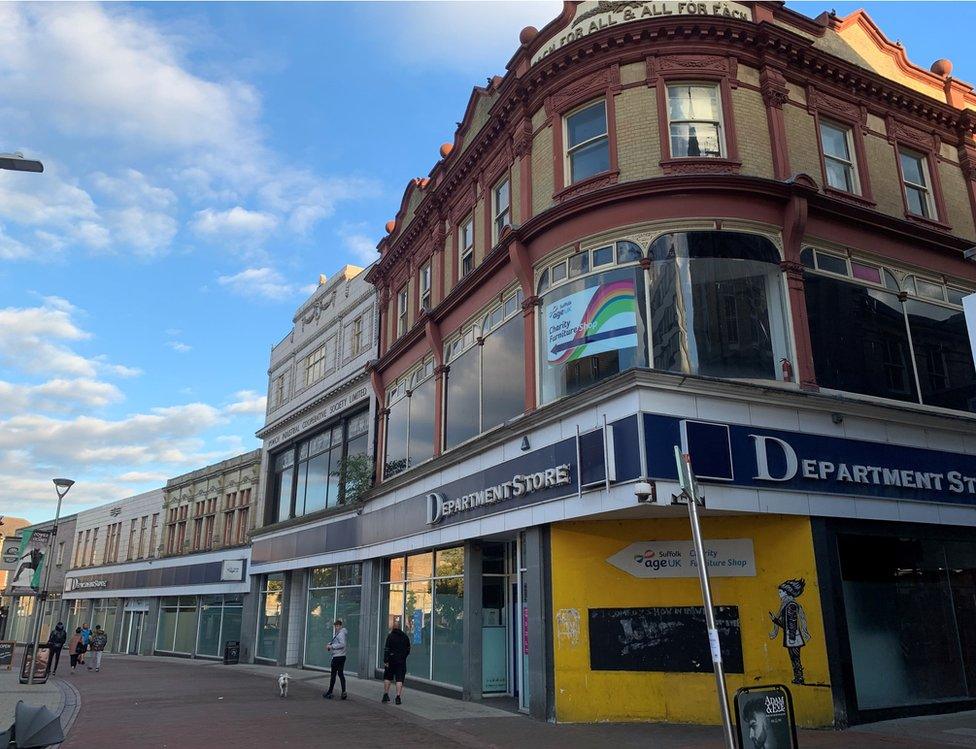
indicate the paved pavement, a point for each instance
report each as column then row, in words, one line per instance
column 162, row 703
column 11, row 690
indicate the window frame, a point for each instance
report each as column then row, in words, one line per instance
column 500, row 218
column 720, row 123
column 402, row 311
column 927, row 189
column 465, row 250
column 425, row 287
column 314, row 365
column 402, row 389
column 568, row 151
column 852, row 163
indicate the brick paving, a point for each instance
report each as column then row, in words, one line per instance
column 160, row 703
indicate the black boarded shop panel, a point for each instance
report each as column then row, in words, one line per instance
column 667, row 638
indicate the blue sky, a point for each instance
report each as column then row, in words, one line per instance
column 204, row 163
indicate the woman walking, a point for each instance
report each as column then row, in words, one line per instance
column 75, row 648
column 338, row 649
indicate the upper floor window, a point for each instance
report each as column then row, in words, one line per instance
column 587, row 141
column 501, row 208
column 315, row 366
column 330, row 352
column 424, row 279
column 277, row 391
column 695, row 120
column 402, row 311
column 840, row 166
column 410, row 421
column 872, row 335
column 917, row 182
column 357, row 343
column 466, row 247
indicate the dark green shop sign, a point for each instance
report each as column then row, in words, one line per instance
column 764, row 717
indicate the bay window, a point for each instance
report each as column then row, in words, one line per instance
column 695, row 120
column 874, row 336
column 485, row 383
column 587, row 141
column 410, row 421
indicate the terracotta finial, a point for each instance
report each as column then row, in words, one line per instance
column 390, row 226
column 446, row 149
column 942, row 68
column 527, row 34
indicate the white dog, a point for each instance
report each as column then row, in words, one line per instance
column 283, row 685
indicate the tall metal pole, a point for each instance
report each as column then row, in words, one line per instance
column 690, row 490
column 61, row 486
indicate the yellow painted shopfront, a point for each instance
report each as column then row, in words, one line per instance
column 588, row 591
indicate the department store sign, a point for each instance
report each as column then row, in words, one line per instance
column 794, row 461
column 732, row 557
column 323, row 413
column 439, row 506
column 592, row 16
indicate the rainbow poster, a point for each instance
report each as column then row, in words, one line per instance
column 602, row 318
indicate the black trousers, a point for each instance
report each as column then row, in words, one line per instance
column 55, row 658
column 338, row 669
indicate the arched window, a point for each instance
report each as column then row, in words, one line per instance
column 717, row 305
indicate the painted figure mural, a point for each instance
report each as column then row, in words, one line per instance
column 793, row 621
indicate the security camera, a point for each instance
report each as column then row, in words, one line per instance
column 645, row 492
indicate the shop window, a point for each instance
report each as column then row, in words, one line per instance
column 917, row 183
column 426, row 598
column 333, row 593
column 410, row 421
column 466, row 247
column 840, row 165
column 177, row 628
column 501, row 208
column 269, row 616
column 910, row 619
column 717, row 305
column 103, row 614
column 220, row 622
column 867, row 340
column 695, row 120
column 284, row 476
column 587, row 141
column 484, row 383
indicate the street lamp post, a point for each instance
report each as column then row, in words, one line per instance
column 16, row 162
column 61, row 486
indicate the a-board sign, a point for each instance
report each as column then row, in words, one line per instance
column 764, row 717
column 40, row 666
column 664, row 638
column 7, row 653
column 232, row 653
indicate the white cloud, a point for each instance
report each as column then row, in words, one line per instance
column 360, row 244
column 248, row 402
column 143, row 477
column 57, row 395
column 266, row 283
column 32, row 341
column 179, row 347
column 235, row 223
column 470, row 36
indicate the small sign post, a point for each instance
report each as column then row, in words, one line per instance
column 764, row 717
column 232, row 653
column 689, row 491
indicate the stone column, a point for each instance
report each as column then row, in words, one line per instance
column 369, row 625
column 538, row 599
column 471, row 675
column 249, row 620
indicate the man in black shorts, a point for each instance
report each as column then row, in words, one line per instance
column 395, row 654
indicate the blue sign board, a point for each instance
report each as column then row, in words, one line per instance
column 792, row 461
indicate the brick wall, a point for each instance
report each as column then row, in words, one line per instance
column 956, row 200
column 802, row 139
column 638, row 136
column 885, row 183
column 542, row 177
column 752, row 131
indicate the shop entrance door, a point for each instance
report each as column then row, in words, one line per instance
column 131, row 639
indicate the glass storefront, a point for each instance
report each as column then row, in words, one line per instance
column 269, row 616
column 911, row 618
column 76, row 614
column 103, row 614
column 424, row 594
column 333, row 593
column 21, row 619
column 220, row 622
column 176, row 631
